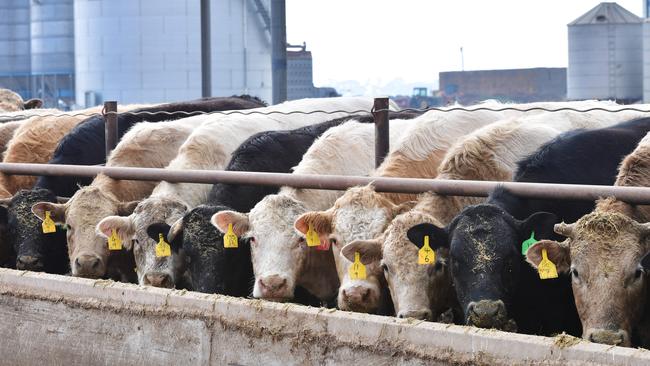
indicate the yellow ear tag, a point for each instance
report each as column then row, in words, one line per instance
column 426, row 255
column 48, row 224
column 312, row 237
column 230, row 239
column 357, row 270
column 546, row 268
column 114, row 242
column 162, row 248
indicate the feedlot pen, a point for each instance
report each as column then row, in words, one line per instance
column 50, row 319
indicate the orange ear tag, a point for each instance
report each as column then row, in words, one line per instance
column 48, row 224
column 357, row 270
column 230, row 239
column 114, row 242
column 546, row 268
column 426, row 255
column 312, row 237
column 162, row 248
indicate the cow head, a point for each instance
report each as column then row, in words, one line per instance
column 139, row 230
column 35, row 250
column 88, row 252
column 360, row 214
column 415, row 289
column 485, row 259
column 277, row 251
column 606, row 254
column 213, row 268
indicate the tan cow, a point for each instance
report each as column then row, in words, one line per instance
column 607, row 254
column 7, row 131
column 11, row 102
column 490, row 153
column 281, row 259
column 151, row 145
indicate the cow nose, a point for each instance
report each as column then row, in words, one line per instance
column 158, row 279
column 487, row 314
column 29, row 263
column 605, row 336
column 356, row 294
column 274, row 287
column 415, row 314
column 88, row 266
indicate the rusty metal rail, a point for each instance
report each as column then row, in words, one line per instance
column 637, row 195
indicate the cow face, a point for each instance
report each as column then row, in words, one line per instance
column 35, row 250
column 607, row 257
column 277, row 251
column 88, row 251
column 360, row 214
column 153, row 270
column 485, row 258
column 213, row 268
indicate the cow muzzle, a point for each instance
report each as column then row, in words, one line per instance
column 423, row 314
column 88, row 265
column 358, row 298
column 274, row 288
column 29, row 263
column 489, row 314
column 158, row 279
column 605, row 336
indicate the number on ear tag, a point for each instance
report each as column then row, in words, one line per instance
column 528, row 243
column 312, row 237
column 48, row 224
column 546, row 268
column 162, row 248
column 230, row 239
column 426, row 255
column 114, row 242
column 357, row 270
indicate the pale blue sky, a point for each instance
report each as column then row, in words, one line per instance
column 382, row 40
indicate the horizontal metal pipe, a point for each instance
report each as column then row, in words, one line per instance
column 638, row 195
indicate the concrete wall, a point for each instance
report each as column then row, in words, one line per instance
column 48, row 319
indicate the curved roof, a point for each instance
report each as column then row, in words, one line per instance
column 607, row 13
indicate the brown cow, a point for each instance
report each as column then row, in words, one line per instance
column 12, row 102
column 607, row 254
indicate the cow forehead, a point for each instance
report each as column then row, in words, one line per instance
column 275, row 215
column 88, row 206
column 157, row 209
column 359, row 222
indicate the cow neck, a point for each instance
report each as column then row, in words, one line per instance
column 123, row 190
column 318, row 274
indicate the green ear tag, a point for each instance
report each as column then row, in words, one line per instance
column 528, row 243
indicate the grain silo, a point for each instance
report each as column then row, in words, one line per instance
column 605, row 55
column 15, row 62
column 149, row 50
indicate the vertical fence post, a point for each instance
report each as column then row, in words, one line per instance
column 206, row 50
column 110, row 126
column 382, row 138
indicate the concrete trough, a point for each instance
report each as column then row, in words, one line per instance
column 56, row 320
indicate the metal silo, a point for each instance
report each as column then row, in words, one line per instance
column 15, row 62
column 605, row 55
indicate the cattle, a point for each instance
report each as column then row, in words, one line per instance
column 151, row 145
column 82, row 145
column 495, row 286
column 11, row 102
column 606, row 254
column 209, row 147
column 281, row 258
column 34, row 142
column 362, row 213
column 7, row 130
column 489, row 153
column 213, row 268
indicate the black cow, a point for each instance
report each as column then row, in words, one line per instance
column 495, row 286
column 213, row 268
column 32, row 249
column 84, row 144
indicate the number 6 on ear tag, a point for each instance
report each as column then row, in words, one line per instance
column 357, row 270
column 230, row 239
column 426, row 255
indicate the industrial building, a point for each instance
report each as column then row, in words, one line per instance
column 300, row 80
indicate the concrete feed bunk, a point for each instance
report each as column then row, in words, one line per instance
column 79, row 321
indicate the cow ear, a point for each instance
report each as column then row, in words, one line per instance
column 126, row 208
column 175, row 232
column 239, row 222
column 57, row 211
column 123, row 226
column 438, row 237
column 541, row 223
column 558, row 253
column 369, row 250
column 33, row 103
column 321, row 221
column 154, row 231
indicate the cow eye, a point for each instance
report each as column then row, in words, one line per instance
column 384, row 267
column 574, row 273
column 252, row 240
column 638, row 273
column 301, row 240
column 333, row 241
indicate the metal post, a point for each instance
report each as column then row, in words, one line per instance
column 279, row 50
column 382, row 137
column 206, row 56
column 110, row 126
